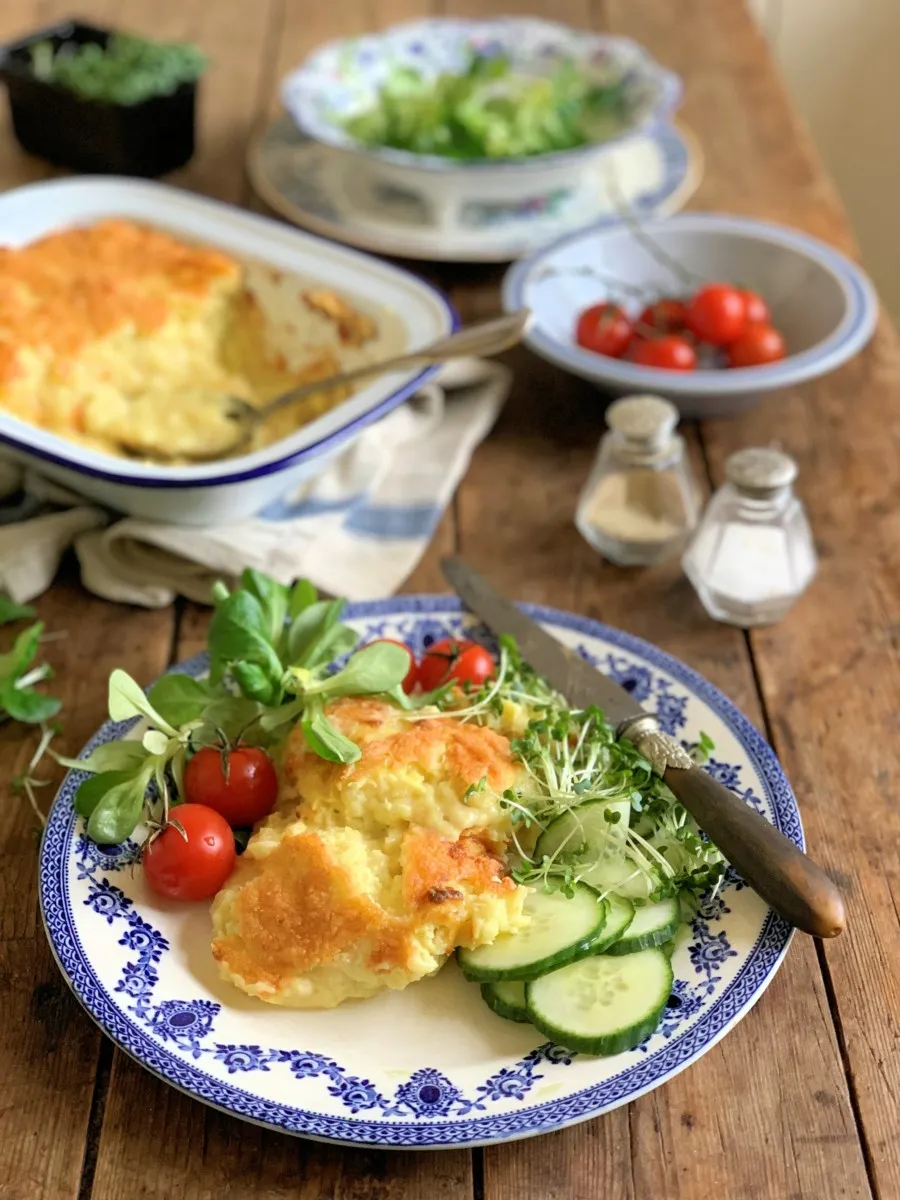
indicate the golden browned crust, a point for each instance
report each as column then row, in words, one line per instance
column 464, row 754
column 300, row 909
column 354, row 328
column 68, row 289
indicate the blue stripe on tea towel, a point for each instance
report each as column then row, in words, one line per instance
column 287, row 510
column 394, row 520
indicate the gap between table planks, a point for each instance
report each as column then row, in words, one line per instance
column 721, row 1127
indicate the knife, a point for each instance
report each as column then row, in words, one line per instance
column 774, row 867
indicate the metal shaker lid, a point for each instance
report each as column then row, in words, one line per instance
column 650, row 420
column 760, row 472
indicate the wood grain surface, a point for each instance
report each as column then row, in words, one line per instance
column 802, row 1099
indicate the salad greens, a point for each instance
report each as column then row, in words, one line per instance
column 271, row 651
column 18, row 672
column 19, row 700
column 128, row 70
column 10, row 611
column 490, row 110
column 277, row 656
column 572, row 758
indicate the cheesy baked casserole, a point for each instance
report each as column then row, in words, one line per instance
column 368, row 875
column 124, row 339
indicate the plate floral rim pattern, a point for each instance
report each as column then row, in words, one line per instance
column 130, row 1028
column 310, row 199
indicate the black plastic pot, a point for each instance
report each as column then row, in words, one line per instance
column 146, row 139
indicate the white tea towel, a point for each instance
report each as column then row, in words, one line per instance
column 358, row 530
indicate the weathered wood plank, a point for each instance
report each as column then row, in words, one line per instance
column 829, row 672
column 208, row 1153
column 725, row 1125
column 48, row 1046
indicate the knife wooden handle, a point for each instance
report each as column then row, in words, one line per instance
column 773, row 866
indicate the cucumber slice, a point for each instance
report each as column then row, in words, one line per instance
column 668, row 948
column 585, row 832
column 618, row 921
column 621, row 876
column 652, row 925
column 561, row 929
column 506, row 997
column 602, row 1005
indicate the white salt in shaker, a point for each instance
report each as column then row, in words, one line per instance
column 639, row 504
column 753, row 553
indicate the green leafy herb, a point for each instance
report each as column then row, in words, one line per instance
column 179, row 698
column 116, row 813
column 19, row 674
column 114, row 756
column 10, row 611
column 128, row 70
column 373, row 669
column 324, row 739
column 127, row 700
column 572, row 757
column 271, row 652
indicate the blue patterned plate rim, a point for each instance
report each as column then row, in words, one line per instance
column 737, row 998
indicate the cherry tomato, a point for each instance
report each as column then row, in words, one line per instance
column 409, row 679
column 663, row 316
column 466, row 662
column 604, row 329
column 760, row 344
column 670, row 353
column 240, row 784
column 757, row 311
column 717, row 314
column 193, row 865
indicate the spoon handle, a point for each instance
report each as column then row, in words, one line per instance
column 773, row 866
column 487, row 337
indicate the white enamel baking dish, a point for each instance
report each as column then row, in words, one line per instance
column 213, row 493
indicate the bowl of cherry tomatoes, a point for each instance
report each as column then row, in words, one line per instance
column 708, row 310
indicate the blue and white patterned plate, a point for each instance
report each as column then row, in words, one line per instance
column 457, row 1074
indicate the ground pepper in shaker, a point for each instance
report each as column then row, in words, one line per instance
column 639, row 504
column 753, row 552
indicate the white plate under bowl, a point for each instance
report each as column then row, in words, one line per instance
column 654, row 172
column 409, row 312
column 430, row 1066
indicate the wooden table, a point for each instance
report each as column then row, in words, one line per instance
column 803, row 1098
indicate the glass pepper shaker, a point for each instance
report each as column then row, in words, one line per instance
column 639, row 504
column 753, row 552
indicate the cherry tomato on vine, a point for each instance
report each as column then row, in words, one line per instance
column 409, row 679
column 194, row 864
column 604, row 329
column 757, row 311
column 241, row 785
column 667, row 315
column 669, row 353
column 717, row 314
column 757, row 346
column 466, row 662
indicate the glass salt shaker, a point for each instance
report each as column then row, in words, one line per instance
column 639, row 504
column 753, row 553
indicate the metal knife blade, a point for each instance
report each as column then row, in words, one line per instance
column 768, row 861
column 581, row 683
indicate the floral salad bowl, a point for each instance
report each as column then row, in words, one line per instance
column 458, row 1074
column 343, row 78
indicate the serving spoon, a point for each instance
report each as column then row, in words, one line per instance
column 485, row 338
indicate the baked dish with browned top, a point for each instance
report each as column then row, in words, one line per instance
column 124, row 339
